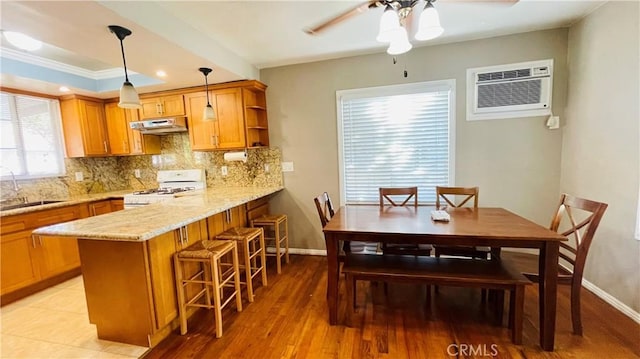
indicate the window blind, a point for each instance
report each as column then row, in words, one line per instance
column 395, row 140
column 30, row 144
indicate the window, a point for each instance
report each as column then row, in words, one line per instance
column 395, row 136
column 30, row 140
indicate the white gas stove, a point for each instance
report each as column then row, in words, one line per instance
column 171, row 183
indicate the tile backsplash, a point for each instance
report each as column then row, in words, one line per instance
column 105, row 174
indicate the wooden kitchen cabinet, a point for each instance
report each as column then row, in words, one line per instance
column 234, row 217
column 84, row 127
column 117, row 204
column 123, row 140
column 255, row 114
column 257, row 208
column 227, row 130
column 164, row 106
column 28, row 260
column 100, row 207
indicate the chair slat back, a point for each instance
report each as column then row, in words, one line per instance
column 387, row 195
column 324, row 207
column 448, row 195
column 581, row 232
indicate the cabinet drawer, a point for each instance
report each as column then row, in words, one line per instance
column 54, row 216
column 14, row 223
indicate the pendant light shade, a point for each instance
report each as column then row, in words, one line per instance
column 429, row 25
column 389, row 22
column 208, row 114
column 399, row 42
column 128, row 94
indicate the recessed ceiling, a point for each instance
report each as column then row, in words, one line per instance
column 235, row 38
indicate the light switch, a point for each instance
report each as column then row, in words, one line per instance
column 79, row 176
column 136, row 173
column 224, row 170
column 266, row 168
column 287, row 166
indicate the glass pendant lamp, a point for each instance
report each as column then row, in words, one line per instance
column 429, row 26
column 389, row 23
column 128, row 94
column 208, row 114
column 399, row 42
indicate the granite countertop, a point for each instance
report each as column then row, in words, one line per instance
column 143, row 223
column 67, row 201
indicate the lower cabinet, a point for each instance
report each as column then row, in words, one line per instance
column 28, row 259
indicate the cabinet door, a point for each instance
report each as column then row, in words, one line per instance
column 161, row 251
column 117, row 205
column 172, row 105
column 150, row 108
column 100, row 207
column 17, row 257
column 117, row 129
column 202, row 134
column 93, row 128
column 57, row 255
column 141, row 144
column 230, row 118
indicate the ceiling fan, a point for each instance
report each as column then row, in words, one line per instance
column 402, row 7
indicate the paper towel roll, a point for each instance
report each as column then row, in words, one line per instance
column 235, row 156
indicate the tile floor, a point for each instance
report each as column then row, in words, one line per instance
column 54, row 324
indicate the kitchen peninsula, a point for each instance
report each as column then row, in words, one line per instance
column 127, row 257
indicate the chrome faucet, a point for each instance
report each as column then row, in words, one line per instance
column 16, row 189
column 15, row 183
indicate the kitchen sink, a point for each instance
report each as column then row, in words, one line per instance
column 27, row 204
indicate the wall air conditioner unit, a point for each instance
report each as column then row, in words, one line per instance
column 510, row 91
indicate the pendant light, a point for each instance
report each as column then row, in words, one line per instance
column 208, row 114
column 399, row 42
column 128, row 94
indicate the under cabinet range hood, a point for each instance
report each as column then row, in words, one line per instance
column 160, row 125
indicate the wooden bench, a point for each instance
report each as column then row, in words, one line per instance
column 458, row 272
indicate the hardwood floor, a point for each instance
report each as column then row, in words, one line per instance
column 289, row 319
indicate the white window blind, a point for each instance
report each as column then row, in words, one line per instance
column 396, row 136
column 30, row 140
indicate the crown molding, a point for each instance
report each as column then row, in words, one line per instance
column 59, row 66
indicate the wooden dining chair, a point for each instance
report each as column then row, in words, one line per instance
column 401, row 197
column 448, row 195
column 582, row 232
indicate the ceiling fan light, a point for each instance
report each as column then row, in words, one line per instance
column 429, row 24
column 129, row 96
column 399, row 42
column 389, row 22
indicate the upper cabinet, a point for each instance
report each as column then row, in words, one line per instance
column 165, row 106
column 255, row 114
column 122, row 139
column 83, row 125
column 241, row 117
column 226, row 131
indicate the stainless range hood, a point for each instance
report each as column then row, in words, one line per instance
column 160, row 126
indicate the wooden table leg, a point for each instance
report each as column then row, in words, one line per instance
column 333, row 275
column 548, row 270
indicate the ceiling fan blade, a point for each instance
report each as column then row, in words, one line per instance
column 344, row 16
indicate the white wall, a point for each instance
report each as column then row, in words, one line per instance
column 600, row 145
column 516, row 162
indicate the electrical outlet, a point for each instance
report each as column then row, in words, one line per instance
column 224, row 171
column 287, row 166
column 79, row 176
column 136, row 173
column 266, row 168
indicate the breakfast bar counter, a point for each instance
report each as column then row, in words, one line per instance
column 146, row 222
column 127, row 257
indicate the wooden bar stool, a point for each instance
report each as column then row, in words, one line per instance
column 251, row 244
column 212, row 272
column 276, row 232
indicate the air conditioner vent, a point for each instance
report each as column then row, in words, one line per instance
column 504, row 75
column 510, row 91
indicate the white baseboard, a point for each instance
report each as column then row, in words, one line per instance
column 613, row 301
column 308, row 252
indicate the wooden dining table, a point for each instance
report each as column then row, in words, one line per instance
column 493, row 227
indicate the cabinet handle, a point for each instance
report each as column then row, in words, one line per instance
column 186, row 235
column 33, row 240
column 40, row 240
column 139, row 145
column 213, row 141
column 105, row 146
column 217, row 141
column 180, row 236
column 92, row 210
column 230, row 216
column 158, row 109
